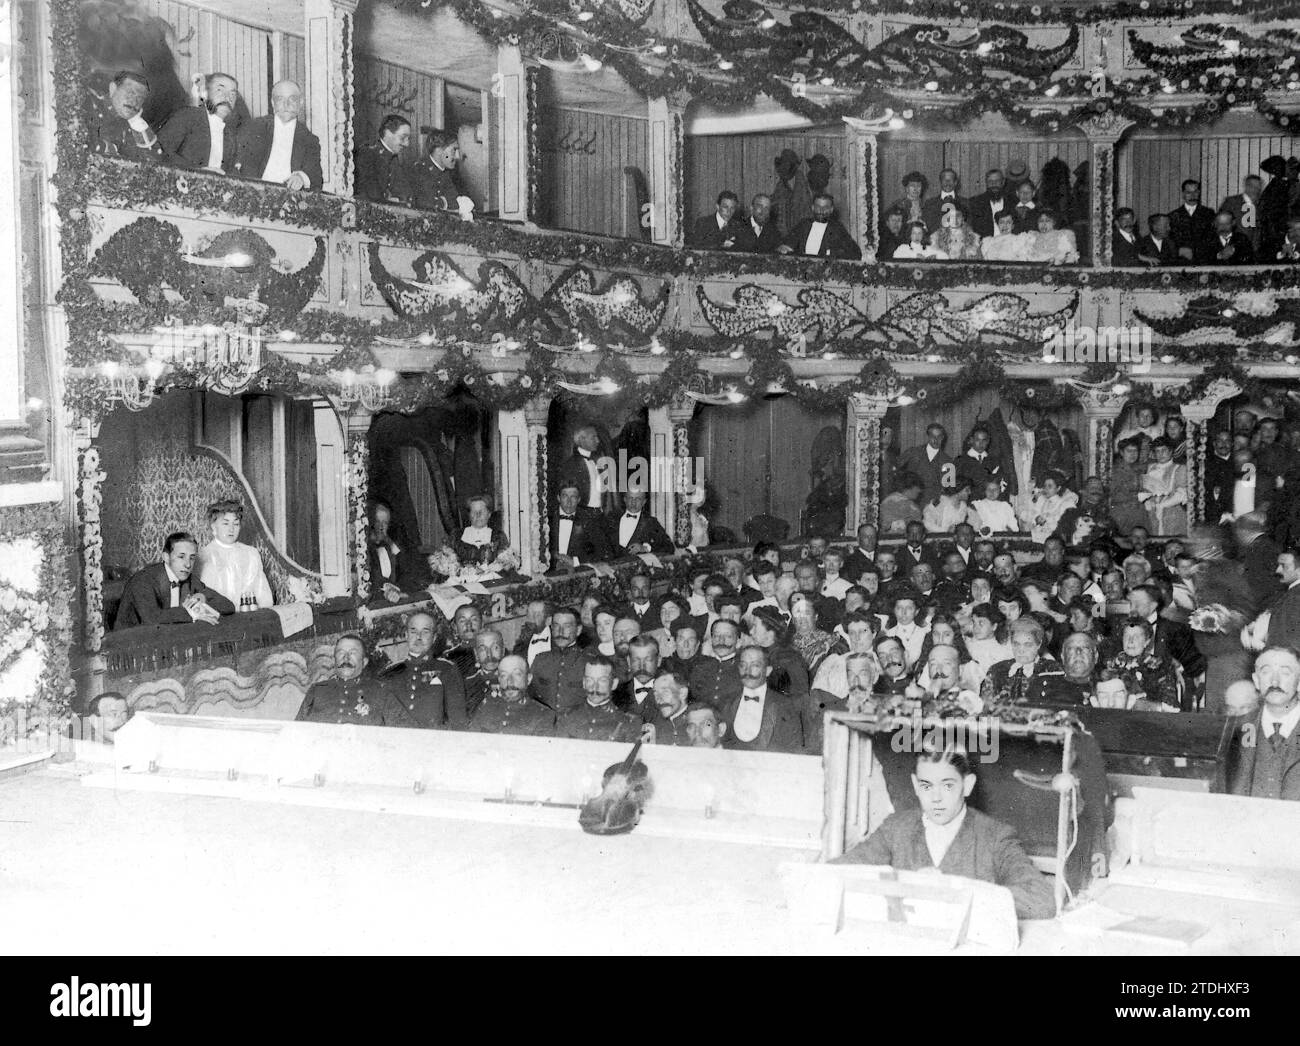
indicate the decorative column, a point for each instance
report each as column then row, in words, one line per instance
column 90, row 501
column 1197, row 414
column 862, row 458
column 358, row 484
column 667, row 193
column 674, row 469
column 862, row 208
column 537, row 414
column 329, row 87
column 1104, row 132
column 523, row 507
column 514, row 90
column 1100, row 412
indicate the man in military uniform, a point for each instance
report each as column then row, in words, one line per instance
column 716, row 678
column 557, row 673
column 489, row 649
column 466, row 623
column 671, row 694
column 430, row 689
column 510, row 707
column 597, row 719
column 437, row 184
column 382, row 174
column 116, row 122
column 351, row 696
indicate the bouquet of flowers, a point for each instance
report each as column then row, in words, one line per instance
column 1213, row 617
column 505, row 562
column 445, row 562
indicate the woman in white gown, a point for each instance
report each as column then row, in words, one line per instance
column 915, row 248
column 1049, row 504
column 994, row 516
column 951, row 507
column 1051, row 244
column 1164, row 490
column 228, row 566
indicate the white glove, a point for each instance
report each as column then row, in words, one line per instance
column 466, row 207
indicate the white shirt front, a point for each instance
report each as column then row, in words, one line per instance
column 563, row 532
column 173, row 582
column 835, row 587
column 1127, row 235
column 912, row 637
column 749, row 716
column 477, row 536
column 385, row 563
column 627, row 527
column 279, row 165
column 593, row 480
column 217, row 148
column 1158, row 244
column 813, row 245
column 234, row 571
column 939, row 838
column 1288, row 721
column 541, row 641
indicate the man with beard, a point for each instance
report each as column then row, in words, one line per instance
column 1005, row 572
column 430, row 689
column 1219, row 477
column 758, row 233
column 351, row 696
column 760, row 718
column 203, row 137
column 985, row 207
column 558, row 672
column 116, row 123
column 509, row 705
column 984, row 554
column 670, row 720
column 626, row 629
column 636, row 694
column 1267, row 755
column 489, row 649
column 716, row 679
column 596, row 719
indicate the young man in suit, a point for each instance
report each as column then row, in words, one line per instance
column 760, row 718
column 985, row 207
column 913, row 552
column 635, row 531
column 1124, row 250
column 1230, row 245
column 1157, row 246
column 168, row 593
column 719, row 231
column 1244, row 208
column 279, row 148
column 822, row 235
column 1192, row 226
column 929, row 462
column 943, row 832
column 430, row 689
column 932, row 208
column 577, row 532
column 203, row 137
column 864, row 554
column 759, row 233
column 1265, row 761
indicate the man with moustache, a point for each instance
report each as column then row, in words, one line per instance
column 351, row 696
column 279, row 148
column 509, row 705
column 430, row 689
column 636, row 694
column 466, row 623
column 558, row 672
column 892, row 657
column 489, row 649
column 203, row 137
column 864, row 553
column 944, row 693
column 596, row 719
column 672, row 694
column 716, row 679
column 686, row 647
column 760, row 718
column 635, row 530
column 860, row 673
column 758, row 234
column 116, row 122
column 535, row 634
column 1265, row 761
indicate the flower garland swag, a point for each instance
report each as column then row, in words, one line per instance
column 36, row 601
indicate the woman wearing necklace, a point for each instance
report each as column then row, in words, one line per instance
column 479, row 543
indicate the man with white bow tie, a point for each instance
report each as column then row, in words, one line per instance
column 636, row 531
column 977, row 467
column 932, row 208
column 759, row 718
column 636, row 695
column 535, row 635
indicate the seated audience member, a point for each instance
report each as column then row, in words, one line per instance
column 672, row 700
column 686, row 647
column 1240, row 698
column 863, row 554
column 929, row 463
column 1157, row 246
column 822, row 235
column 809, row 640
column 1244, row 208
column 894, row 676
column 480, row 544
column 1113, row 690
column 1136, row 569
column 901, row 507
column 934, row 208
column 557, row 672
column 984, row 646
column 915, row 248
column 578, row 535
column 115, row 122
column 1164, row 490
column 430, row 689
column 1026, row 208
column 949, row 510
column 944, row 632
column 706, row 726
column 597, row 719
column 105, row 716
column 913, row 203
column 1031, row 677
column 203, row 136
column 278, row 148
column 720, row 231
column 943, row 832
column 1049, row 503
column 636, row 694
column 1051, row 244
column 1124, row 249
column 1192, row 226
column 382, row 173
column 985, row 208
column 394, row 574
column 489, row 648
column 976, row 466
column 1079, row 656
column 834, row 585
column 1289, row 249
column 856, row 694
column 228, row 566
column 437, row 179
column 716, row 677
column 892, row 234
column 351, row 696
column 1171, row 639
column 635, row 531
column 1147, row 675
column 1230, row 246
column 808, row 581
column 859, row 631
column 641, row 607
column 466, row 624
column 603, row 618
column 1006, row 245
column 993, row 515
column 759, row 233
column 1267, row 757
column 1051, row 566
column 760, row 718
column 535, row 633
column 940, row 687
column 509, row 706
column 167, row 593
column 906, row 628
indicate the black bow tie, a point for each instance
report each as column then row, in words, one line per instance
column 176, row 584
column 914, row 551
column 644, row 689
column 752, row 697
column 563, row 516
column 632, row 515
column 948, row 196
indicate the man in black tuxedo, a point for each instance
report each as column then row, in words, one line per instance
column 203, row 137
column 759, row 233
column 1171, row 639
column 864, row 554
column 635, row 531
column 1230, row 245
column 1192, row 226
column 168, row 593
column 932, row 207
column 1157, row 247
column 719, row 231
column 394, row 572
column 577, row 532
column 1220, row 477
column 822, row 235
column 913, row 551
column 635, row 695
column 1124, row 251
column 382, row 174
column 639, row 604
column 279, row 148
column 760, row 718
column 985, row 207
column 582, row 468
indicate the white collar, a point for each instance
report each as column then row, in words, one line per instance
column 284, row 125
column 170, row 575
column 1190, row 208
column 940, row 837
column 1289, row 721
column 760, row 693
